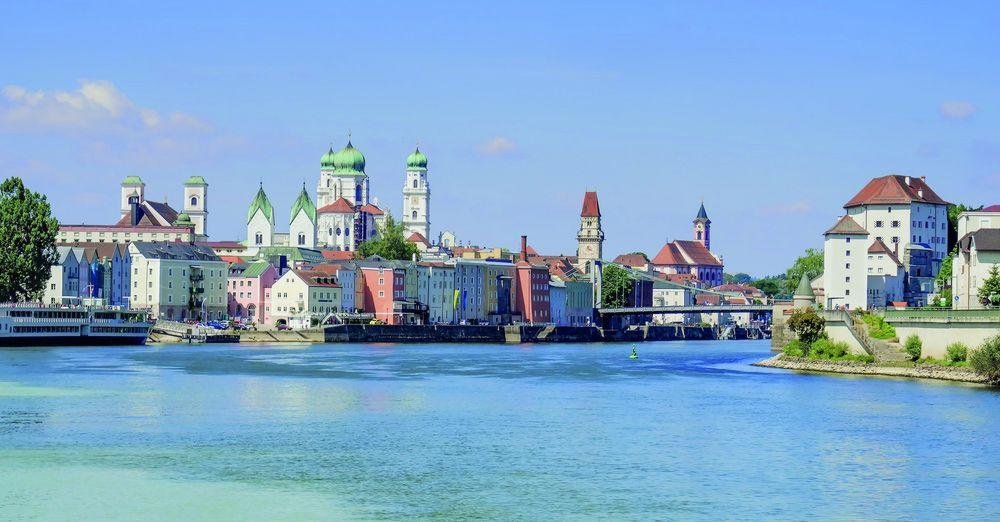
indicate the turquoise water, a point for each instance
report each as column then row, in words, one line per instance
column 688, row 431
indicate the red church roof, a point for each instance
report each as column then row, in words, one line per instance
column 372, row 209
column 895, row 190
column 591, row 208
column 341, row 206
column 417, row 237
column 689, row 253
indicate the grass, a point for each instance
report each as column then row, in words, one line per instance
column 878, row 328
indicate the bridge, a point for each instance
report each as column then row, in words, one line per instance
column 707, row 309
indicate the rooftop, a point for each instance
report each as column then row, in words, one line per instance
column 895, row 190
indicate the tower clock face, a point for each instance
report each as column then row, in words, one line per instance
column 589, row 249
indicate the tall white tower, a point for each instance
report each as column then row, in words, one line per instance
column 132, row 184
column 260, row 221
column 417, row 195
column 590, row 238
column 196, row 203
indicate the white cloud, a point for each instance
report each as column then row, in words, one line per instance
column 957, row 110
column 797, row 207
column 497, row 146
column 97, row 105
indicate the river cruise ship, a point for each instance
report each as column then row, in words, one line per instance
column 32, row 324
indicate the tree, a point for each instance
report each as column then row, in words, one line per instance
column 810, row 263
column 953, row 212
column 29, row 235
column 616, row 287
column 807, row 324
column 986, row 360
column 738, row 278
column 770, row 285
column 390, row 243
column 989, row 292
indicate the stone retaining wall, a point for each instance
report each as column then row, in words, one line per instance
column 920, row 371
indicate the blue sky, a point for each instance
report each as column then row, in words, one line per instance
column 774, row 113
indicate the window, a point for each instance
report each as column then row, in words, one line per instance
column 895, row 239
column 258, row 239
column 414, row 183
column 848, row 266
column 847, row 292
column 414, row 214
column 848, row 253
column 848, row 240
column 879, row 223
column 847, row 279
column 302, row 239
column 194, row 201
column 895, row 224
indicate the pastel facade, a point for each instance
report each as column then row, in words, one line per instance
column 978, row 252
column 436, row 289
column 300, row 298
column 178, row 281
column 247, row 288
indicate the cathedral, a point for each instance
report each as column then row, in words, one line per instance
column 344, row 215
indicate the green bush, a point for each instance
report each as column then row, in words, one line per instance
column 796, row 348
column 956, row 352
column 827, row 349
column 878, row 328
column 986, row 360
column 913, row 346
column 858, row 358
column 807, row 324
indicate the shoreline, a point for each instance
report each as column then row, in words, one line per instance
column 920, row 371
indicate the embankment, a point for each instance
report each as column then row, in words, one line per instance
column 919, row 371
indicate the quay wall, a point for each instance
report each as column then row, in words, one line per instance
column 937, row 334
column 361, row 333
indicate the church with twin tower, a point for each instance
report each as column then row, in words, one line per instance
column 344, row 215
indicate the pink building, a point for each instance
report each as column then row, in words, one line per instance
column 382, row 286
column 249, row 292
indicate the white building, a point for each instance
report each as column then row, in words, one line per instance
column 302, row 297
column 417, row 196
column 196, row 203
column 436, row 289
column 178, row 281
column 897, row 215
column 64, row 281
column 978, row 252
column 336, row 225
column 666, row 293
column 302, row 223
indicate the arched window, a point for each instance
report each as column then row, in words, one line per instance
column 338, row 231
column 258, row 239
column 194, row 201
column 302, row 239
column 414, row 214
column 414, row 183
column 699, row 235
column 357, row 194
column 347, row 232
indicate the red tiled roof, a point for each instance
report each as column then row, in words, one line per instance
column 223, row 244
column 417, row 237
column 707, row 299
column 633, row 260
column 894, row 190
column 232, row 259
column 697, row 253
column 847, row 225
column 879, row 247
column 669, row 255
column 341, row 206
column 372, row 209
column 591, row 208
column 991, row 208
column 337, row 255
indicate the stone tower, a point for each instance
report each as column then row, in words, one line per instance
column 590, row 238
column 132, row 184
column 196, row 203
column 703, row 228
column 417, row 196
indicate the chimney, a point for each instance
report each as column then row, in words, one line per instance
column 920, row 193
column 923, row 178
column 907, row 180
column 524, row 248
column 134, row 203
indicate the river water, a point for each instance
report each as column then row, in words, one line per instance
column 688, row 431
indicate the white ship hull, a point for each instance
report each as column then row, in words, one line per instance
column 26, row 325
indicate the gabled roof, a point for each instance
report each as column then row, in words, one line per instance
column 372, row 209
column 668, row 255
column 697, row 254
column 303, row 204
column 591, row 208
column 256, row 269
column 991, row 208
column 417, row 237
column 895, row 190
column 984, row 240
column 633, row 260
column 174, row 250
column 341, row 206
column 847, row 225
column 879, row 247
column 151, row 214
column 260, row 202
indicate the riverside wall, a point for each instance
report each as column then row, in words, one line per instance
column 920, row 371
column 361, row 333
column 937, row 334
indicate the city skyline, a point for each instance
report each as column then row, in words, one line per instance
column 772, row 123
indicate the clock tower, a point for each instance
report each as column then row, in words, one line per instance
column 590, row 238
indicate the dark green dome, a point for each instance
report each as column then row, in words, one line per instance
column 416, row 161
column 349, row 160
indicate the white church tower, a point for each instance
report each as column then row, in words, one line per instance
column 260, row 221
column 302, row 227
column 196, row 203
column 417, row 196
column 132, row 184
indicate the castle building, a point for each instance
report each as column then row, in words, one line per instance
column 417, row 196
column 590, row 238
column 703, row 227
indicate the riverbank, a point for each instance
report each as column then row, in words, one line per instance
column 917, row 371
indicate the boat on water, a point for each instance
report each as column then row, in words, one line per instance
column 35, row 324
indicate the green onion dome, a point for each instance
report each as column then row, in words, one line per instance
column 349, row 160
column 416, row 161
column 326, row 162
column 183, row 220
